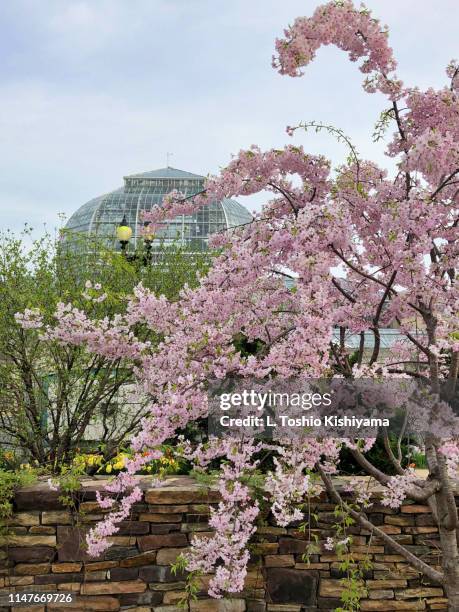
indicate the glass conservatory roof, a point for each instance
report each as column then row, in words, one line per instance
column 101, row 216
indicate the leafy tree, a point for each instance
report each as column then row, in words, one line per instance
column 53, row 396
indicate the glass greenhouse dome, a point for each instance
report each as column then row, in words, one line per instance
column 101, row 216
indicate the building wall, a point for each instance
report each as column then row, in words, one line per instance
column 45, row 553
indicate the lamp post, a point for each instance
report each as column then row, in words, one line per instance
column 148, row 242
column 124, row 234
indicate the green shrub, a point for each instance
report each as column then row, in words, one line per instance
column 9, row 482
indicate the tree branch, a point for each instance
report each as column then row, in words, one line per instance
column 422, row 567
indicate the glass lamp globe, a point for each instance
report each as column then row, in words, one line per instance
column 123, row 231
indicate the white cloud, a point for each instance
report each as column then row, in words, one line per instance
column 94, row 89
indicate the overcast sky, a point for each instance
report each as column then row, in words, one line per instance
column 91, row 90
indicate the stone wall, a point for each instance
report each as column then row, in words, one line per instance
column 44, row 552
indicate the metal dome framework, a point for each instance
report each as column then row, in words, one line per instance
column 101, row 216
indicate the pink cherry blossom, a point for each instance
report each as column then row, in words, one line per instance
column 367, row 251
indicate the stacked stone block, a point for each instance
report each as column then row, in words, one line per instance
column 44, row 551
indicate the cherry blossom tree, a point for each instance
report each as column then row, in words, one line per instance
column 367, row 251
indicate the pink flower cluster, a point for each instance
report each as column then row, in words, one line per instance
column 31, row 318
column 97, row 538
column 450, row 450
column 361, row 491
column 288, row 485
column 225, row 554
column 352, row 30
column 92, row 292
column 397, row 488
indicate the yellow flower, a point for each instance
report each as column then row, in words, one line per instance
column 119, row 461
column 108, row 468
